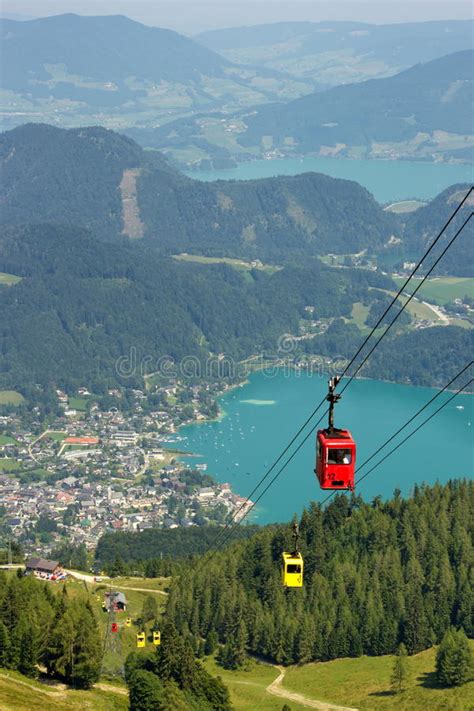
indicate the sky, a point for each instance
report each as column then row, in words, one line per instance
column 193, row 16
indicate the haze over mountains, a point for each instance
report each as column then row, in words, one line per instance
column 419, row 106
column 114, row 68
column 74, row 70
column 423, row 112
column 339, row 52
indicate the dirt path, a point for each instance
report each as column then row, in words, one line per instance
column 147, row 590
column 438, row 312
column 105, row 580
column 113, row 689
column 58, row 690
column 276, row 689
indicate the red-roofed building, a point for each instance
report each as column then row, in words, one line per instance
column 81, row 440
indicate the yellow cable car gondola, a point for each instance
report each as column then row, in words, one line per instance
column 293, row 565
column 128, row 622
column 156, row 638
column 140, row 639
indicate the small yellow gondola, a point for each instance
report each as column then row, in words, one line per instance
column 292, row 570
column 156, row 638
column 293, row 564
column 140, row 639
column 128, row 622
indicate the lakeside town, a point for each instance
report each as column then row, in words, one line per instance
column 111, row 462
column 100, row 467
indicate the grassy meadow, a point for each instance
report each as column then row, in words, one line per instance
column 364, row 683
column 10, row 397
column 441, row 290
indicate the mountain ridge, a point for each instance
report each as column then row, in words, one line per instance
column 429, row 97
column 73, row 176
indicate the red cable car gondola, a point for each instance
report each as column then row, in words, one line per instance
column 335, row 450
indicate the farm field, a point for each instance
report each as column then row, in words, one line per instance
column 236, row 263
column 78, row 403
column 157, row 584
column 364, row 683
column 359, row 314
column 8, row 465
column 441, row 290
column 10, row 397
column 9, row 279
column 4, row 439
column 56, row 436
column 418, row 310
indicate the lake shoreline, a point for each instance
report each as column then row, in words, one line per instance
column 388, row 180
column 240, row 448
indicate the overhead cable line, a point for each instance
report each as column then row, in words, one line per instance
column 233, row 521
column 374, row 454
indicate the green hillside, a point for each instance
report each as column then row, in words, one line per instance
column 381, row 117
column 362, row 683
column 100, row 304
column 375, row 575
column 101, row 307
column 423, row 225
column 82, row 184
column 19, row 693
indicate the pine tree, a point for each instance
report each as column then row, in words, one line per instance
column 211, row 643
column 28, row 652
column 4, row 645
column 399, row 671
column 150, row 609
column 233, row 655
column 146, row 692
column 60, row 653
column 453, row 659
column 87, row 651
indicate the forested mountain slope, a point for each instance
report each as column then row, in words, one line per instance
column 411, row 106
column 76, row 177
column 91, row 288
column 375, row 575
column 423, row 225
column 82, row 304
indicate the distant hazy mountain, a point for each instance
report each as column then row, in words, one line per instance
column 106, row 50
column 75, row 66
column 333, row 53
column 423, row 111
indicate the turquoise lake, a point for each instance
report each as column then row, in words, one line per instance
column 262, row 416
column 387, row 180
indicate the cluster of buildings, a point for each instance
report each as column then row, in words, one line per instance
column 104, row 470
column 81, row 512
